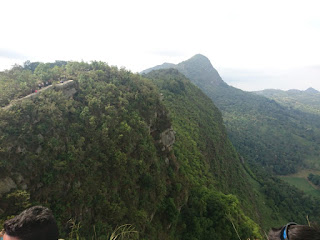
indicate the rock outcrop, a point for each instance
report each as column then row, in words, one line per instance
column 6, row 185
column 68, row 88
column 167, row 138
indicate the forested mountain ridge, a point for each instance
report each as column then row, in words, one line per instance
column 200, row 132
column 201, row 138
column 115, row 152
column 268, row 200
column 25, row 79
column 262, row 130
column 150, row 151
column 305, row 101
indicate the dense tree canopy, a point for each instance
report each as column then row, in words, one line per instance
column 278, row 137
column 97, row 157
column 100, row 157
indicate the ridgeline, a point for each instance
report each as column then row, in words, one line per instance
column 149, row 150
column 277, row 137
column 114, row 152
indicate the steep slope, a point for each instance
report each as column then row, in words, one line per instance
column 199, row 127
column 206, row 156
column 306, row 101
column 115, row 153
column 262, row 130
column 271, row 200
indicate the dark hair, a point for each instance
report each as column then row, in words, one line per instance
column 35, row 223
column 296, row 232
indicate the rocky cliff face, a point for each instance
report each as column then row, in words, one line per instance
column 167, row 138
column 6, row 185
column 161, row 129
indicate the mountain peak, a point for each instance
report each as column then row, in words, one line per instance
column 200, row 70
column 311, row 90
column 200, row 57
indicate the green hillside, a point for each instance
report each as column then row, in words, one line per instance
column 305, row 101
column 266, row 199
column 277, row 201
column 204, row 152
column 262, row 130
column 112, row 149
column 107, row 147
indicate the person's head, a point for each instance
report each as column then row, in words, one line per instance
column 292, row 231
column 35, row 223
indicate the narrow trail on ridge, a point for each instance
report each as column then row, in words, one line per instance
column 34, row 94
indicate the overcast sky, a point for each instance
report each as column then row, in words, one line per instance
column 254, row 44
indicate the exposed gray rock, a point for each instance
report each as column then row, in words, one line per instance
column 40, row 137
column 6, row 184
column 70, row 92
column 20, row 181
column 20, row 150
column 167, row 138
column 39, row 149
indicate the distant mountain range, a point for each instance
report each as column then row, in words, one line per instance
column 293, row 91
column 306, row 101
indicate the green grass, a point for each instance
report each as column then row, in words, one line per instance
column 302, row 184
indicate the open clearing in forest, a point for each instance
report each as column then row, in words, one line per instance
column 300, row 180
